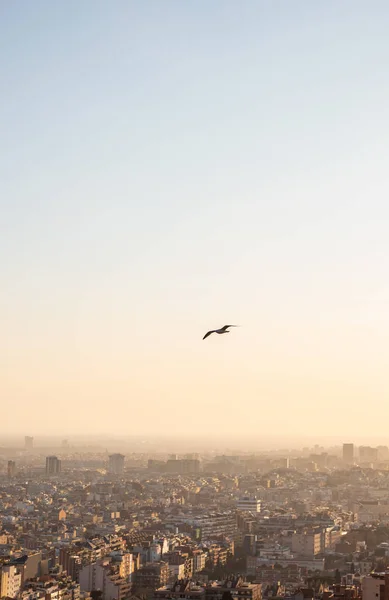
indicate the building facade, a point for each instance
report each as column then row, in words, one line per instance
column 10, row 581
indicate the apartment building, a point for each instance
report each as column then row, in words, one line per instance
column 216, row 524
column 307, row 543
column 152, row 576
column 100, row 576
column 10, row 581
column 199, row 560
column 249, row 504
column 180, row 564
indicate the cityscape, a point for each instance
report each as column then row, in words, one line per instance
column 194, row 300
column 297, row 524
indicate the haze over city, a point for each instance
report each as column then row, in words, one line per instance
column 169, row 167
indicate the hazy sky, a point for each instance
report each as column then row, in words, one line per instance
column 169, row 166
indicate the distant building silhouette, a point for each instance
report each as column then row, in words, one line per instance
column 53, row 465
column 368, row 454
column 348, row 453
column 11, row 469
column 116, row 464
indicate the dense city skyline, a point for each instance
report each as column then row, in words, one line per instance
column 91, row 524
column 237, row 445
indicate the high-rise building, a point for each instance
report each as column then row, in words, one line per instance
column 116, row 464
column 28, row 442
column 11, row 469
column 348, row 453
column 53, row 465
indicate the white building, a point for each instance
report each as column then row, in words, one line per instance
column 97, row 576
column 249, row 504
column 10, row 581
column 371, row 586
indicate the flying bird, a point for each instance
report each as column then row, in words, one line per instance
column 220, row 331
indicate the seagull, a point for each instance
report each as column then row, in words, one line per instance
column 221, row 330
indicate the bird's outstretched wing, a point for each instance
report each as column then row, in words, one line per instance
column 227, row 326
column 208, row 333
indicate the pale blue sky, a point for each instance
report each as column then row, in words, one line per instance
column 168, row 166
